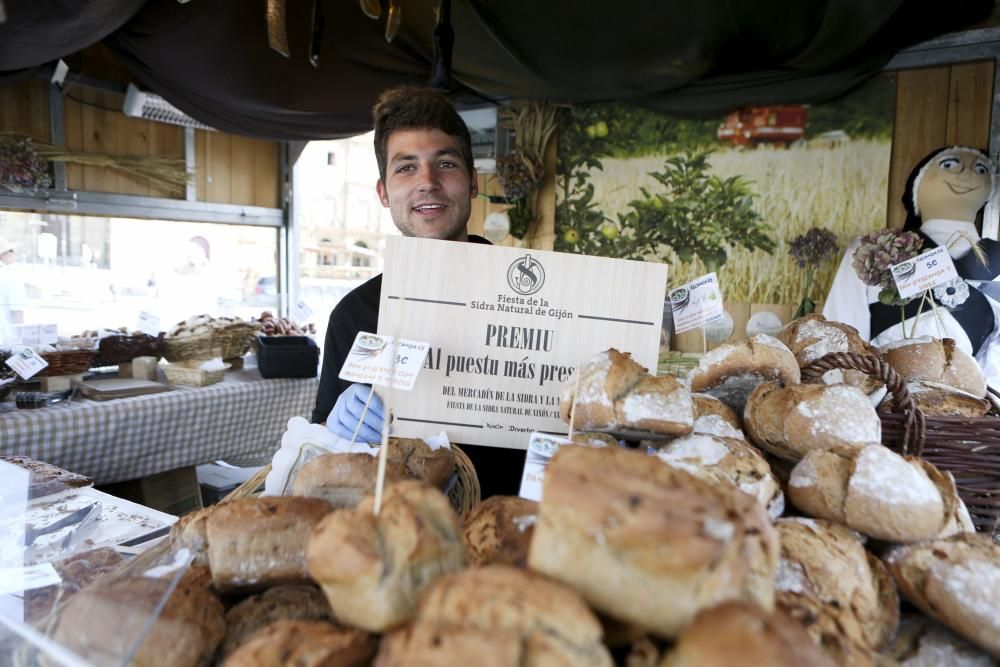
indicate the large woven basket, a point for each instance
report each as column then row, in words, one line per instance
column 967, row 447
column 66, row 362
column 231, row 342
column 464, row 493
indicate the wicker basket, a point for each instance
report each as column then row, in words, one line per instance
column 188, row 373
column 66, row 362
column 967, row 447
column 231, row 342
column 464, row 493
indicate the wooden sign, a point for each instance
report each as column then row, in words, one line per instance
column 507, row 327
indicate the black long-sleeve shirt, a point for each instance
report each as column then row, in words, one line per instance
column 499, row 469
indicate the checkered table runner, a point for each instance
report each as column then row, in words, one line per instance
column 239, row 420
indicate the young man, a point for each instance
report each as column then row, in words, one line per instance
column 428, row 182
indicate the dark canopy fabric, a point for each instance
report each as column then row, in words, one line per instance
column 211, row 59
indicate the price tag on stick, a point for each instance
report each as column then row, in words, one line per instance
column 26, row 363
column 697, row 303
column 149, row 323
column 371, row 361
column 924, row 272
column 300, row 312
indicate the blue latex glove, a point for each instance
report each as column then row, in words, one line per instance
column 347, row 411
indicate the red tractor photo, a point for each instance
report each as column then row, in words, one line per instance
column 751, row 126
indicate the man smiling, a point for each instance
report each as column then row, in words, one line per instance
column 427, row 181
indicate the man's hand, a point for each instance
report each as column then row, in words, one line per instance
column 346, row 414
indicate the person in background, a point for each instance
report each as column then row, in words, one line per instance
column 12, row 296
column 427, row 181
column 944, row 198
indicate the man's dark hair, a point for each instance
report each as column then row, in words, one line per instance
column 412, row 108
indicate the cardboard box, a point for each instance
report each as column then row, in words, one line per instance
column 174, row 492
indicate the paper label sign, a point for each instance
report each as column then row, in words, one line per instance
column 20, row 579
column 48, row 334
column 696, row 304
column 148, row 324
column 371, row 361
column 541, row 448
column 26, row 363
column 301, row 313
column 924, row 272
column 29, row 334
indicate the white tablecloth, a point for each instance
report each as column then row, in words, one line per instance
column 239, row 420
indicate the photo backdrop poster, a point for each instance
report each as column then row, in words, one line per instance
column 506, row 329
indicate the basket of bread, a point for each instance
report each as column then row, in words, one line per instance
column 759, row 521
column 205, row 337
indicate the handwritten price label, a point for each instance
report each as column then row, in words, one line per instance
column 697, row 303
column 924, row 272
column 371, row 362
column 26, row 363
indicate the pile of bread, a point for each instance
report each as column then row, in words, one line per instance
column 282, row 326
column 206, row 324
column 683, row 552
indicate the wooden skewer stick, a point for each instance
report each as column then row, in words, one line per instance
column 572, row 406
column 383, row 453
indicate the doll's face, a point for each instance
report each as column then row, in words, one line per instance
column 955, row 185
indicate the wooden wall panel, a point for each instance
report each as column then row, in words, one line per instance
column 241, row 161
column 266, row 181
column 936, row 107
column 100, row 135
column 217, row 166
column 200, row 164
column 73, row 134
column 166, row 141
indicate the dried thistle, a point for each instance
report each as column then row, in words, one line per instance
column 21, row 168
column 814, row 247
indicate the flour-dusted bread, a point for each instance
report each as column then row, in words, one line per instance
column 713, row 417
column 730, row 372
column 289, row 603
column 255, row 543
column 876, row 492
column 813, row 336
column 940, row 400
column 306, row 643
column 790, row 421
column 736, row 633
column 373, row 568
column 343, row 479
column 922, row 642
column 498, row 530
column 729, row 461
column 102, row 623
column 955, row 580
column 615, row 393
column 936, row 360
column 830, row 627
column 827, row 561
column 497, row 616
column 648, row 544
column 189, row 532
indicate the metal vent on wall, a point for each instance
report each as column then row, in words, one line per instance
column 142, row 104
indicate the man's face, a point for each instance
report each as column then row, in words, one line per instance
column 955, row 186
column 427, row 186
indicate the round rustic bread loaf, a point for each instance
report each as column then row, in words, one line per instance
column 813, row 336
column 827, row 560
column 658, row 404
column 729, row 461
column 497, row 616
column 373, row 568
column 307, row 643
column 713, row 417
column 839, row 638
column 646, row 543
column 876, row 492
column 937, row 360
column 281, row 603
column 730, row 372
column 791, row 421
column 940, row 400
column 736, row 633
column 922, row 642
column 498, row 530
column 955, row 580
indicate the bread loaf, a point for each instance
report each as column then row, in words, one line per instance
column 736, row 633
column 939, row 400
column 922, row 642
column 729, row 461
column 713, row 417
column 103, row 622
column 255, row 543
column 730, row 372
column 343, row 479
column 77, row 572
column 189, row 532
column 44, row 478
column 955, row 580
column 790, row 421
column 649, row 544
column 875, row 491
column 936, row 360
column 498, row 530
column 305, row 643
column 373, row 568
column 616, row 393
column 825, row 560
column 813, row 336
column 290, row 603
column 832, row 630
column 497, row 615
